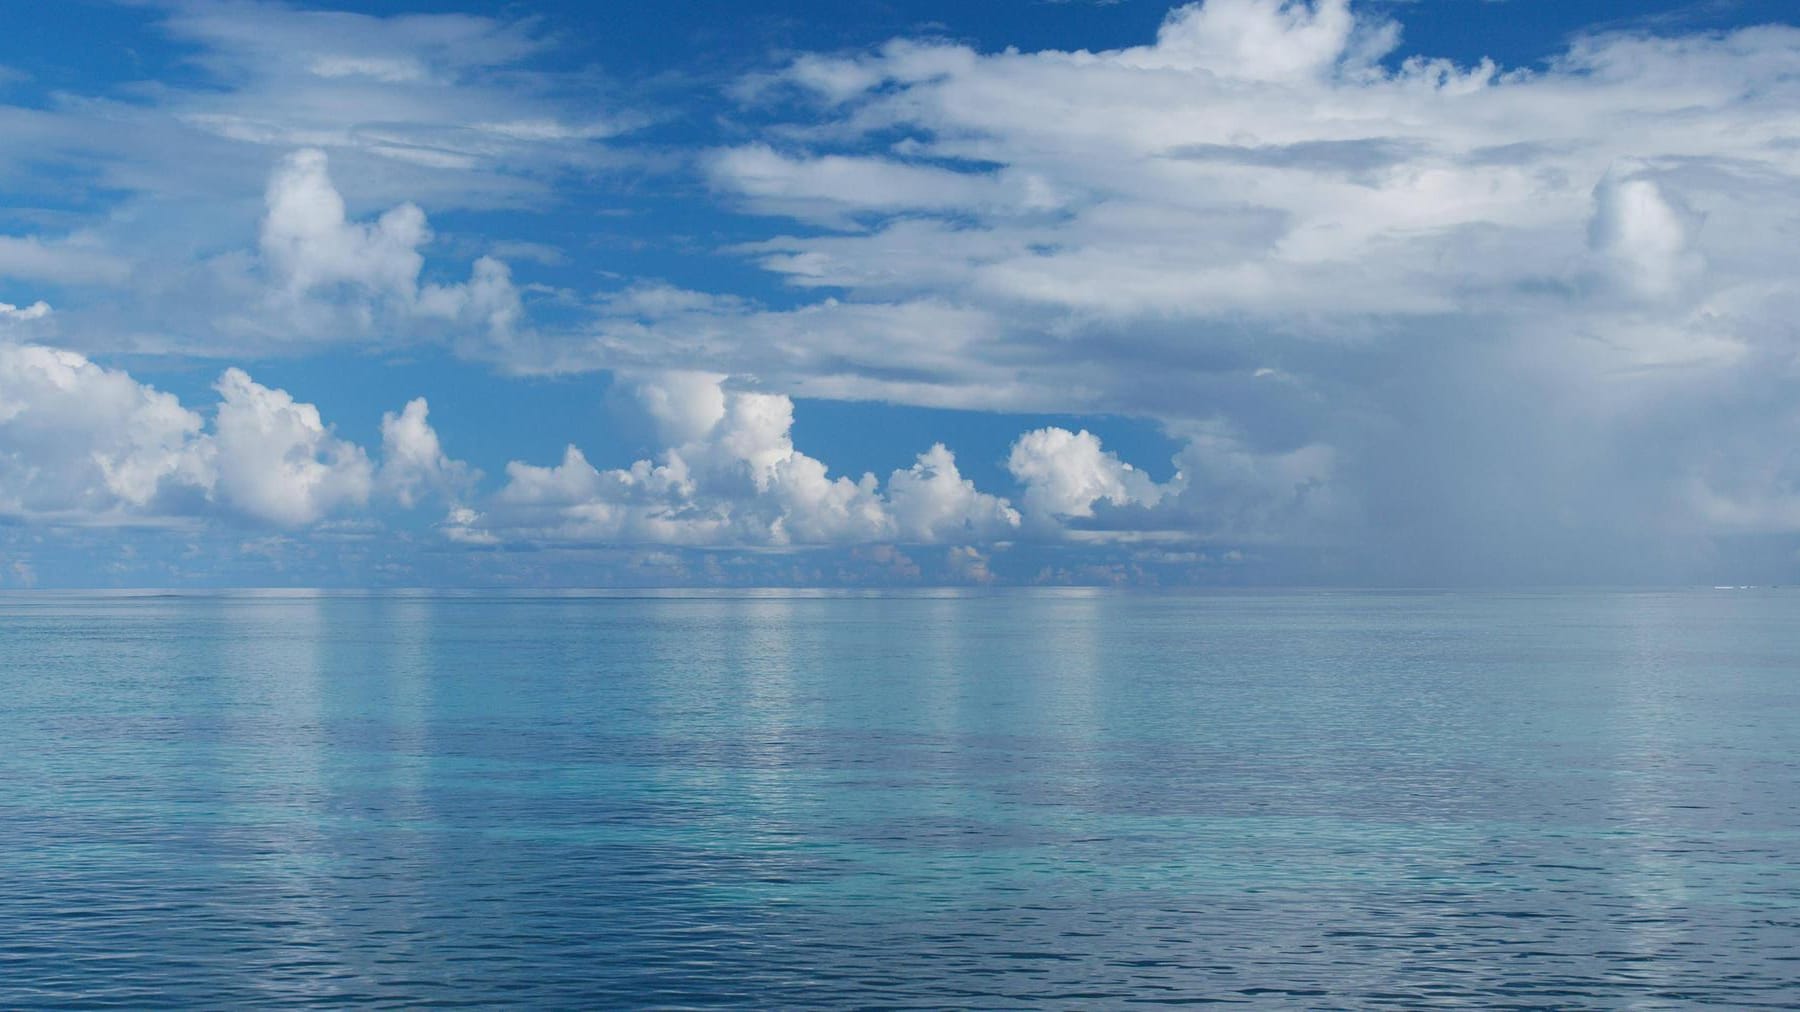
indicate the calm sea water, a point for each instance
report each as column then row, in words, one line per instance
column 1574, row 800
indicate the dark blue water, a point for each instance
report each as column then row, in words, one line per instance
column 1082, row 799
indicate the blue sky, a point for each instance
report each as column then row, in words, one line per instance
column 1248, row 291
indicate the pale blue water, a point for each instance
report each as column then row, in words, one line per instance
column 1573, row 800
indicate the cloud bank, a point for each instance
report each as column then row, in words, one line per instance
column 1406, row 318
column 1448, row 318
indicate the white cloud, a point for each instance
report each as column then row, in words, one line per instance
column 685, row 406
column 310, row 247
column 1645, row 237
column 1253, row 40
column 921, row 352
column 84, row 444
column 385, row 69
column 1408, row 307
column 932, row 501
column 1065, row 473
column 308, row 243
column 317, row 276
column 1254, row 168
column 1404, row 306
column 78, row 440
column 277, row 460
column 413, row 462
column 732, row 476
column 144, row 187
column 1223, row 491
column 17, row 314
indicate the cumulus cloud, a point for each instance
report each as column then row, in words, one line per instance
column 413, row 462
column 1257, row 161
column 310, row 247
column 1222, row 491
column 932, row 501
column 308, row 243
column 156, row 254
column 78, row 440
column 1257, row 40
column 317, row 275
column 84, row 444
column 277, row 460
column 685, row 406
column 732, row 477
column 1422, row 309
column 1065, row 473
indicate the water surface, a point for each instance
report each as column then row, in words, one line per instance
column 1571, row 800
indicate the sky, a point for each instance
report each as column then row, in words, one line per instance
column 1232, row 293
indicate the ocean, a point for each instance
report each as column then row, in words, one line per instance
column 1095, row 799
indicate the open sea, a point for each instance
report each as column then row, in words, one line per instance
column 928, row 799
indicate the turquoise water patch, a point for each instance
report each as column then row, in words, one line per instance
column 1283, row 799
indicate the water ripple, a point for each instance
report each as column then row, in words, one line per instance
column 1518, row 801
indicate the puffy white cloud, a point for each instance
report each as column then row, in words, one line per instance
column 154, row 249
column 1065, row 473
column 317, row 275
column 84, row 444
column 308, row 242
column 684, row 405
column 413, row 462
column 733, row 477
column 1255, row 40
column 487, row 304
column 81, row 441
column 277, row 460
column 932, row 501
column 310, row 247
column 1223, row 490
